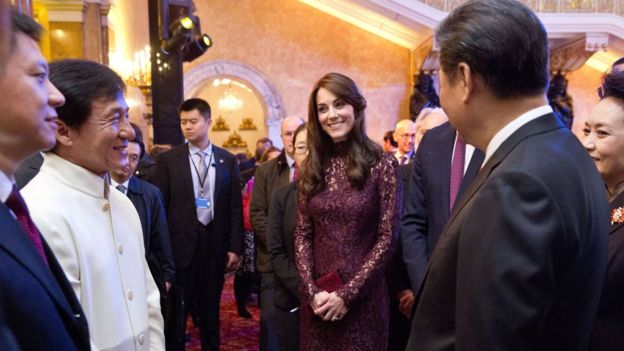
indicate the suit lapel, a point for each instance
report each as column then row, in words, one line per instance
column 16, row 242
column 220, row 172
column 616, row 203
column 184, row 170
column 540, row 125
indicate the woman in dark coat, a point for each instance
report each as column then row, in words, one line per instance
column 604, row 140
column 347, row 224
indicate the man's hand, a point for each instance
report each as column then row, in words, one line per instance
column 232, row 261
column 406, row 302
column 333, row 309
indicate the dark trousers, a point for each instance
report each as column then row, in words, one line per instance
column 287, row 327
column 399, row 328
column 268, row 336
column 202, row 282
column 242, row 289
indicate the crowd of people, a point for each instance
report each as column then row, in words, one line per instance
column 482, row 225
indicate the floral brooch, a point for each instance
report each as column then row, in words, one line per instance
column 617, row 215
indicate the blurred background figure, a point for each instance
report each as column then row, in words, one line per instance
column 282, row 221
column 429, row 118
column 389, row 144
column 405, row 134
column 158, row 149
column 604, row 140
column 261, row 146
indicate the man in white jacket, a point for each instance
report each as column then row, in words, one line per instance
column 95, row 232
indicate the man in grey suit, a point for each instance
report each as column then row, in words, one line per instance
column 520, row 263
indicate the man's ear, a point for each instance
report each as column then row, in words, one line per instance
column 467, row 81
column 64, row 133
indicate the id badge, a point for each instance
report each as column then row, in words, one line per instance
column 201, row 202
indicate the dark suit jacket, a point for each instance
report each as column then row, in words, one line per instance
column 427, row 196
column 173, row 177
column 40, row 307
column 520, row 264
column 608, row 331
column 28, row 169
column 282, row 223
column 268, row 177
column 148, row 202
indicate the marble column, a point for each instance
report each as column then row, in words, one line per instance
column 92, row 32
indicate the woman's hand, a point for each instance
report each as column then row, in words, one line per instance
column 333, row 309
column 319, row 299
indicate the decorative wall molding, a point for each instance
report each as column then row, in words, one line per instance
column 206, row 72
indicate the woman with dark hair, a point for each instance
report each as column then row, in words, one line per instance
column 347, row 224
column 604, row 140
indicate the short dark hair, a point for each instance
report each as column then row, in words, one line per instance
column 138, row 138
column 613, row 86
column 21, row 23
column 264, row 141
column 389, row 136
column 82, row 82
column 502, row 41
column 198, row 104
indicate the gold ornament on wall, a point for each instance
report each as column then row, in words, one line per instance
column 235, row 140
column 247, row 124
column 220, row 125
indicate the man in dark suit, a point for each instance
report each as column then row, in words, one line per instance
column 405, row 136
column 147, row 200
column 427, row 202
column 521, row 260
column 39, row 307
column 268, row 177
column 202, row 195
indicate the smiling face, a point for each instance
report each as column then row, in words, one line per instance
column 27, row 102
column 604, row 140
column 335, row 115
column 126, row 171
column 100, row 143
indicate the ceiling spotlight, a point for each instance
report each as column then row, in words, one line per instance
column 178, row 35
column 196, row 48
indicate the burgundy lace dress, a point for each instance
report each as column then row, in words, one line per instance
column 352, row 231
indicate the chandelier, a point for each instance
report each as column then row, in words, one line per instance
column 230, row 102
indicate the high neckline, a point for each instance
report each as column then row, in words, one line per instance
column 341, row 147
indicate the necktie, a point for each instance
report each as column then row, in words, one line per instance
column 404, row 160
column 204, row 215
column 121, row 188
column 16, row 203
column 295, row 172
column 457, row 169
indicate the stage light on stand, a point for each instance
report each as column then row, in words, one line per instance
column 179, row 35
column 196, row 48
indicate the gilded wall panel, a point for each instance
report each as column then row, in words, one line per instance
column 66, row 40
column 439, row 4
column 606, row 6
column 577, row 6
column 548, row 6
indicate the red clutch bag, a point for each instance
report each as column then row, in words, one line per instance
column 330, row 282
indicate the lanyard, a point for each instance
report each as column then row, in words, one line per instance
column 199, row 178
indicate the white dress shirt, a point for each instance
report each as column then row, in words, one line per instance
column 193, row 163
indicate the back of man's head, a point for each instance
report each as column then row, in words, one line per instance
column 83, row 82
column 502, row 41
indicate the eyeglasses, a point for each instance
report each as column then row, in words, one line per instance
column 301, row 150
column 407, row 136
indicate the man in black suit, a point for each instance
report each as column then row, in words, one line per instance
column 268, row 177
column 202, row 195
column 405, row 136
column 520, row 263
column 39, row 307
column 147, row 200
column 427, row 204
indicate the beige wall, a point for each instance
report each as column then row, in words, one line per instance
column 293, row 45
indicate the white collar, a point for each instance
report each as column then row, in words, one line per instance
column 502, row 135
column 125, row 184
column 289, row 160
column 194, row 149
column 6, row 187
column 75, row 176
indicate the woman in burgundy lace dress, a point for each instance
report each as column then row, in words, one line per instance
column 347, row 222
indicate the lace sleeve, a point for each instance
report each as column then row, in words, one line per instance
column 388, row 186
column 303, row 251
